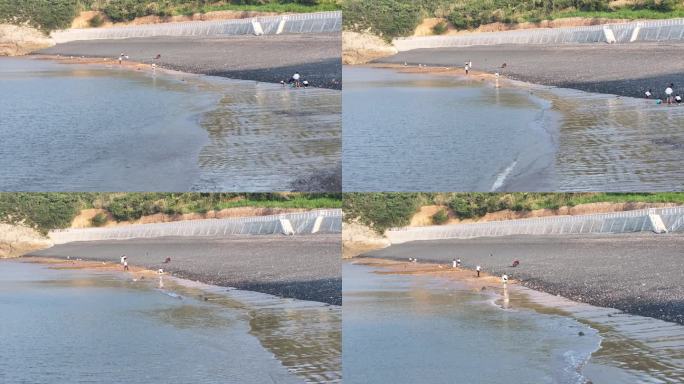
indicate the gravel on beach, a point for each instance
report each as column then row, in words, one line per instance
column 640, row 274
column 271, row 58
column 620, row 69
column 301, row 267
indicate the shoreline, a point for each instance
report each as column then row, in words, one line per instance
column 466, row 276
column 109, row 63
column 555, row 66
column 579, row 268
column 266, row 59
column 137, row 272
column 303, row 267
column 622, row 335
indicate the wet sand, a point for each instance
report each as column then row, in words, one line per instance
column 638, row 274
column 264, row 58
column 621, row 69
column 301, row 267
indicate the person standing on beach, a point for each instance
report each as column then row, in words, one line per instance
column 466, row 68
column 123, row 258
column 504, row 279
column 477, row 269
column 125, row 263
column 668, row 93
column 453, row 263
column 458, row 262
column 295, row 79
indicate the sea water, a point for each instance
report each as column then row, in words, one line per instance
column 434, row 132
column 85, row 326
column 71, row 127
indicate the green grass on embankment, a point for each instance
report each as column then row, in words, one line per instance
column 46, row 211
column 48, row 15
column 281, row 7
column 126, row 10
column 397, row 18
column 381, row 211
column 627, row 14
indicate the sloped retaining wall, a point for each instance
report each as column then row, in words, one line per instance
column 619, row 222
column 318, row 221
column 319, row 22
column 655, row 30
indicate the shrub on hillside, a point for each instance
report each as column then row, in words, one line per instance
column 655, row 5
column 440, row 217
column 386, row 18
column 440, row 28
column 41, row 211
column 381, row 211
column 99, row 220
column 46, row 15
column 96, row 21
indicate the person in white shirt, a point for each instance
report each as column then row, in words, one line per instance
column 453, row 263
column 125, row 263
column 678, row 99
column 668, row 93
column 123, row 258
column 504, row 279
column 648, row 94
column 458, row 262
column 478, row 268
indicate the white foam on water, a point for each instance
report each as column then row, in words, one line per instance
column 643, row 338
column 501, row 177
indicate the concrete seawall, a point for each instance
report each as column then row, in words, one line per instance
column 670, row 30
column 657, row 220
column 319, row 22
column 318, row 221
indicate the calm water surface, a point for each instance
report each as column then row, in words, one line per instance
column 82, row 128
column 408, row 328
column 76, row 326
column 432, row 132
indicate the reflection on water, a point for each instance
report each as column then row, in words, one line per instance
column 408, row 329
column 84, row 326
column 306, row 340
column 265, row 136
column 448, row 333
column 608, row 143
column 189, row 316
column 80, row 128
column 304, row 336
column 634, row 349
column 445, row 133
